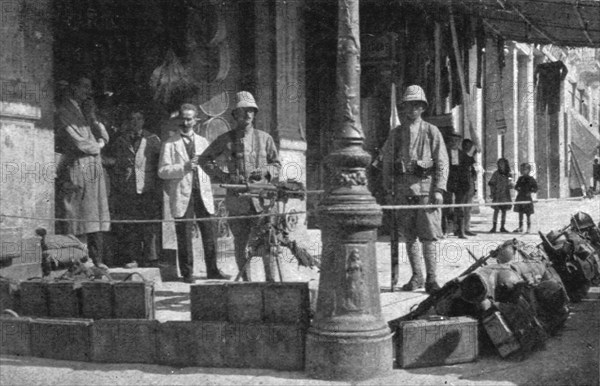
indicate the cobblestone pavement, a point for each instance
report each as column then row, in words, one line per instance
column 570, row 358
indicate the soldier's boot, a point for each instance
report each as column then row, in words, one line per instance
column 242, row 259
column 430, row 257
column 414, row 257
column 493, row 230
column 269, row 265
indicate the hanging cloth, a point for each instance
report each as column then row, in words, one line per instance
column 548, row 77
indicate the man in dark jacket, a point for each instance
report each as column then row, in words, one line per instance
column 136, row 192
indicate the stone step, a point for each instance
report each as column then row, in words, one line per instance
column 22, row 271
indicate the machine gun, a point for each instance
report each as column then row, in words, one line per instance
column 272, row 232
column 280, row 191
column 448, row 290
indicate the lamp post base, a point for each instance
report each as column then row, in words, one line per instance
column 348, row 356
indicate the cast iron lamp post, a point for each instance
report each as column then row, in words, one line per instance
column 348, row 339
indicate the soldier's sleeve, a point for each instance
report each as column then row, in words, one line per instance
column 206, row 160
column 273, row 166
column 440, row 158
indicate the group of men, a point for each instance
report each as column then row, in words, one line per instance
column 183, row 166
column 416, row 168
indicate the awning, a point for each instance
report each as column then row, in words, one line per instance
column 566, row 23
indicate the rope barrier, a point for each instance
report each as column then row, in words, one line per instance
column 432, row 206
column 383, row 207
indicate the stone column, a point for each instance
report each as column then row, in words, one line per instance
column 280, row 90
column 526, row 95
column 542, row 149
column 510, row 94
column 348, row 339
column 492, row 93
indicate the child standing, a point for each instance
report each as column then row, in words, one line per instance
column 525, row 186
column 500, row 185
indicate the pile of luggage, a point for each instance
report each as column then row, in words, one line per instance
column 524, row 296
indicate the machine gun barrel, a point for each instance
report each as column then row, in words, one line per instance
column 250, row 188
column 284, row 190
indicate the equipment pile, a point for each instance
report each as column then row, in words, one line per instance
column 522, row 298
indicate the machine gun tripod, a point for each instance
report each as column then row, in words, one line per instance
column 271, row 235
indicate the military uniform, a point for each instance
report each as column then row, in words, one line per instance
column 416, row 155
column 251, row 156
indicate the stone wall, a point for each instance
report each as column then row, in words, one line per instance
column 26, row 123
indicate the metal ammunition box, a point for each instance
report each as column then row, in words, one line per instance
column 500, row 334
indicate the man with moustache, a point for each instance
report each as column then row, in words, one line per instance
column 416, row 154
column 251, row 157
column 190, row 193
column 80, row 181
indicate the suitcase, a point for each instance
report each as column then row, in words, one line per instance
column 34, row 297
column 133, row 299
column 15, row 334
column 66, row 339
column 63, row 299
column 97, row 299
column 435, row 342
column 125, row 341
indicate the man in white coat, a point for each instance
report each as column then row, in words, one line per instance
column 190, row 193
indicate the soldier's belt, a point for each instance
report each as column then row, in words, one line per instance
column 415, row 167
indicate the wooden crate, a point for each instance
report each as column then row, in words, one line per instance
column 63, row 299
column 97, row 299
column 33, row 296
column 133, row 299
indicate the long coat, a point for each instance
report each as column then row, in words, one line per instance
column 178, row 182
column 81, row 185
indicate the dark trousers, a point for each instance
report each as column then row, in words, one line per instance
column 467, row 220
column 208, row 230
column 95, row 244
column 241, row 229
column 137, row 241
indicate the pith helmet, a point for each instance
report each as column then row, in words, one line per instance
column 245, row 99
column 414, row 93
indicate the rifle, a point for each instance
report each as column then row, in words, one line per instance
column 448, row 289
column 394, row 242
